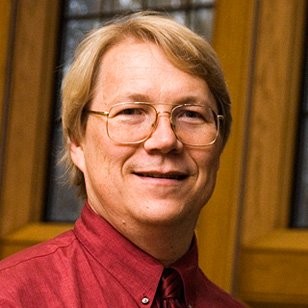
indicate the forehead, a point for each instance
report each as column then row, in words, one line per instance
column 134, row 67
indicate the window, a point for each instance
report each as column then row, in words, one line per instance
column 273, row 257
column 300, row 208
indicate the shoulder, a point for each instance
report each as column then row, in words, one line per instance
column 27, row 276
column 39, row 251
column 24, row 266
column 217, row 296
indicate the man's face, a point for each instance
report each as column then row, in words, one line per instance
column 159, row 181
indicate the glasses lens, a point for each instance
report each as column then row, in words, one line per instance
column 130, row 122
column 195, row 124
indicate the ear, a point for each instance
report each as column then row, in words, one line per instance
column 77, row 154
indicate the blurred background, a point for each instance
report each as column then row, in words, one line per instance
column 253, row 235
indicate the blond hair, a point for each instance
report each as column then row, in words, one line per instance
column 184, row 49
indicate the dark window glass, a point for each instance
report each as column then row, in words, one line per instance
column 300, row 204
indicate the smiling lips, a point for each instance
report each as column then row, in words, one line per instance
column 168, row 175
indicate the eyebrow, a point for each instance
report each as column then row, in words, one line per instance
column 136, row 97
column 190, row 99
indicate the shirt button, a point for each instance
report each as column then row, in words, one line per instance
column 145, row 301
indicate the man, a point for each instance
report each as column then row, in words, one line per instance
column 146, row 114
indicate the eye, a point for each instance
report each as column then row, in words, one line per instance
column 131, row 111
column 193, row 114
column 131, row 114
column 128, row 110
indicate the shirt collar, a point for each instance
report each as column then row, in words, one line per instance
column 187, row 266
column 138, row 272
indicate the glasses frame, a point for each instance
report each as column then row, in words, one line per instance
column 217, row 117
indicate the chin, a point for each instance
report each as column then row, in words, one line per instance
column 165, row 215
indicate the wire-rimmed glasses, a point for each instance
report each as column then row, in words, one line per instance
column 195, row 125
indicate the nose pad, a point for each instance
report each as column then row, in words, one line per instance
column 162, row 114
column 163, row 136
column 170, row 124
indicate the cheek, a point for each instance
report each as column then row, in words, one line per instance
column 209, row 171
column 95, row 157
column 105, row 158
column 208, row 165
column 208, row 161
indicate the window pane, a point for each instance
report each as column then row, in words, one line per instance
column 202, row 21
column 73, row 34
column 63, row 203
column 82, row 7
column 180, row 17
column 203, row 1
column 127, row 4
column 164, row 3
column 301, row 204
column 300, row 207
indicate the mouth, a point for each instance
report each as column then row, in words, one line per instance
column 178, row 176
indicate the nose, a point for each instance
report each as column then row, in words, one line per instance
column 163, row 138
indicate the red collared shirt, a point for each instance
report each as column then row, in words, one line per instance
column 95, row 266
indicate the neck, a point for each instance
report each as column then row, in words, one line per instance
column 167, row 243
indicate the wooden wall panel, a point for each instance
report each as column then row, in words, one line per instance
column 5, row 30
column 29, row 114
